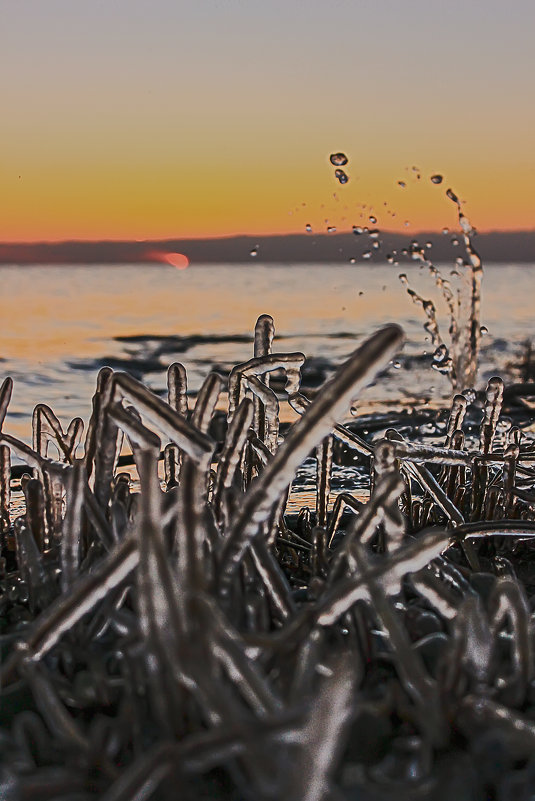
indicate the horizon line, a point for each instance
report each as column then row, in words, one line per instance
column 222, row 237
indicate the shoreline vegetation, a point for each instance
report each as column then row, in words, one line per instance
column 184, row 633
column 494, row 247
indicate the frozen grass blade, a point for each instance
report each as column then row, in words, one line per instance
column 328, row 407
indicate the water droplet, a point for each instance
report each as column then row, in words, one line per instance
column 308, row 228
column 429, row 245
column 427, row 428
column 470, row 395
column 436, row 179
column 338, row 159
column 254, row 251
column 352, row 261
column 396, row 365
column 367, row 254
column 403, row 278
column 331, row 229
column 361, row 293
column 374, row 233
column 342, row 177
column 372, row 219
column 504, row 424
column 465, row 224
column 406, row 223
column 357, row 230
column 445, row 231
column 484, row 330
column 402, row 184
column 440, row 353
column 376, row 245
column 454, row 241
column 452, row 196
column 390, row 258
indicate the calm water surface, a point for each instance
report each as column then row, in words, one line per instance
column 59, row 325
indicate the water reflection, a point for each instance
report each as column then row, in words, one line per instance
column 59, row 324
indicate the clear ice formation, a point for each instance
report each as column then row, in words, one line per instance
column 185, row 634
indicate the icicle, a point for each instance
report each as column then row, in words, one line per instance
column 5, row 489
column 5, row 396
column 263, row 341
column 456, row 418
column 270, row 413
column 324, row 459
column 231, row 452
column 73, row 526
column 178, row 400
column 493, row 406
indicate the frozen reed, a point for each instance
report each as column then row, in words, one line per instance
column 183, row 635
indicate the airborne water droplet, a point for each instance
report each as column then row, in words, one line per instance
column 436, row 179
column 367, row 254
column 452, row 196
column 357, row 230
column 372, row 219
column 402, row 184
column 331, row 229
column 342, row 176
column 338, row 159
column 470, row 395
column 484, row 329
column 465, row 224
column 254, row 251
column 308, row 228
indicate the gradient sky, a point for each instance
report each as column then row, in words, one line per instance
column 162, row 118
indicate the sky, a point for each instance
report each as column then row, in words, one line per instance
column 147, row 119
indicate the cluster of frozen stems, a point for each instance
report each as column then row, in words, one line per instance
column 160, row 634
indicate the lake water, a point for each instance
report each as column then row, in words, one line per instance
column 60, row 324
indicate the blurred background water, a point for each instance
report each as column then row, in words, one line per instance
column 60, row 324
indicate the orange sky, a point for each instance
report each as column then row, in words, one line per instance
column 146, row 120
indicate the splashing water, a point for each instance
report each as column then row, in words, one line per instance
column 338, row 159
column 460, row 360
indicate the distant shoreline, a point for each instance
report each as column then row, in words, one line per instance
column 494, row 247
